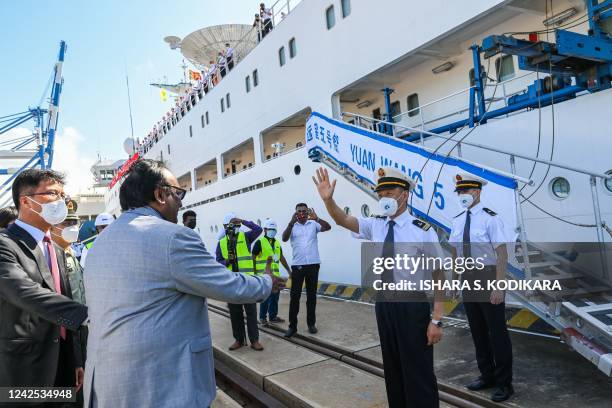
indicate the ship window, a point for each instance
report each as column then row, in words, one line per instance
column 255, row 78
column 330, row 17
column 247, row 83
column 168, row 149
column 292, row 48
column 608, row 182
column 222, row 105
column 483, row 74
column 413, row 104
column 560, row 188
column 207, row 117
column 190, row 131
column 346, row 8
column 347, row 210
column 281, row 56
column 365, row 210
column 297, row 169
column 227, row 101
column 504, row 66
column 202, row 120
column 395, row 110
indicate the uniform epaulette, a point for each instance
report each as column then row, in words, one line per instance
column 459, row 214
column 489, row 211
column 421, row 224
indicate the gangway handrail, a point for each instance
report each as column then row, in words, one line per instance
column 489, row 148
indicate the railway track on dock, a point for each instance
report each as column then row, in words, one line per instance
column 449, row 394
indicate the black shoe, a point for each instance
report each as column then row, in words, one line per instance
column 480, row 384
column 290, row 332
column 502, row 393
column 313, row 329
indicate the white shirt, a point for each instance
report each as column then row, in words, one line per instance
column 266, row 14
column 304, row 243
column 486, row 232
column 38, row 236
column 405, row 232
column 229, row 52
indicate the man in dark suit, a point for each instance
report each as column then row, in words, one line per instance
column 38, row 341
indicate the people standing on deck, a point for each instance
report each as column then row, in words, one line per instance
column 302, row 230
column 266, row 18
column 40, row 321
column 221, row 62
column 263, row 248
column 229, row 56
column 102, row 221
column 258, row 27
column 212, row 70
column 233, row 251
column 478, row 232
column 8, row 215
column 406, row 328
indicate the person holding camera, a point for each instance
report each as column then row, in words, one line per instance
column 302, row 230
column 234, row 251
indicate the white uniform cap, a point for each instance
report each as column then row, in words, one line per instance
column 103, row 219
column 465, row 181
column 390, row 177
column 270, row 224
column 228, row 217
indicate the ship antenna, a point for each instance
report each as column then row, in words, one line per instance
column 127, row 85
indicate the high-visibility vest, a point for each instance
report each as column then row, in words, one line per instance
column 266, row 251
column 243, row 255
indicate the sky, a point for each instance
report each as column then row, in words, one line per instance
column 105, row 39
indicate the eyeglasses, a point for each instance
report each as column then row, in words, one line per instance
column 180, row 192
column 53, row 194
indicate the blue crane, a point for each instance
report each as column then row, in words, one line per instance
column 19, row 149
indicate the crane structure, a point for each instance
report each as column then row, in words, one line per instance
column 19, row 152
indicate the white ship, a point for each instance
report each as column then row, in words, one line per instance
column 241, row 147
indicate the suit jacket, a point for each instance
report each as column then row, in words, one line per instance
column 149, row 344
column 31, row 312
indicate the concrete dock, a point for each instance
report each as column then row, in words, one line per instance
column 546, row 372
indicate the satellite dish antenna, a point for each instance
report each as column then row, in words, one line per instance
column 128, row 145
column 173, row 41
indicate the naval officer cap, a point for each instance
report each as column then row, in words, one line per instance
column 466, row 181
column 390, row 177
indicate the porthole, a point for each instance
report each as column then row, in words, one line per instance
column 560, row 188
column 212, row 229
column 365, row 210
column 608, row 182
column 297, row 169
column 347, row 210
column 216, row 228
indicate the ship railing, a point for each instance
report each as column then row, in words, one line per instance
column 428, row 115
column 593, row 178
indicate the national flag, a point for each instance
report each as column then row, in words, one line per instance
column 195, row 75
column 163, row 94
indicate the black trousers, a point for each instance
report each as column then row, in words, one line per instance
column 230, row 63
column 299, row 275
column 237, row 318
column 491, row 340
column 407, row 359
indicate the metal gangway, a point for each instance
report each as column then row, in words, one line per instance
column 19, row 151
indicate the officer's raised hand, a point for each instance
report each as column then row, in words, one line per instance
column 324, row 186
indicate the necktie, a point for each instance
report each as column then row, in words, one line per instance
column 467, row 247
column 389, row 251
column 54, row 267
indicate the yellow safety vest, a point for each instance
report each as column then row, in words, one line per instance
column 243, row 255
column 266, row 251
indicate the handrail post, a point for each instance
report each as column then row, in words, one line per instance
column 422, row 125
column 459, row 153
column 522, row 231
column 599, row 227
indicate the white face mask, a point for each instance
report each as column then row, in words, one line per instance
column 465, row 200
column 70, row 234
column 54, row 212
column 271, row 233
column 388, row 206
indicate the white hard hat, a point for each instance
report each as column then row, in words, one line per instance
column 104, row 219
column 228, row 217
column 270, row 224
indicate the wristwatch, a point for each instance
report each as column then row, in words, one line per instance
column 437, row 322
